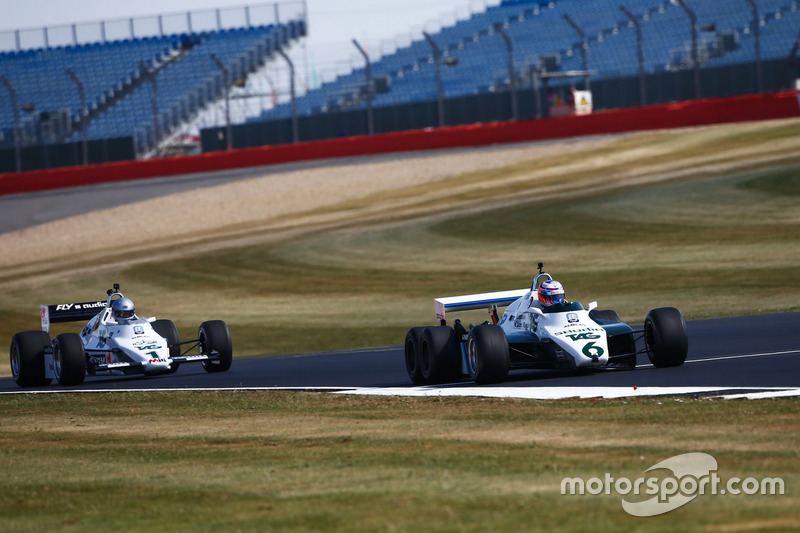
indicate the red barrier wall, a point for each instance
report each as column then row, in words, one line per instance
column 691, row 113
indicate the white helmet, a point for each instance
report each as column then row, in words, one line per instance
column 551, row 292
column 123, row 309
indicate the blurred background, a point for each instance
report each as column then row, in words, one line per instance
column 216, row 78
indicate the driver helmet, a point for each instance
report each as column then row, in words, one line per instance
column 551, row 292
column 123, row 309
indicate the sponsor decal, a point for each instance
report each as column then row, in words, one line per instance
column 90, row 305
column 149, row 347
column 82, row 306
column 583, row 336
column 573, row 317
column 572, row 331
column 138, row 330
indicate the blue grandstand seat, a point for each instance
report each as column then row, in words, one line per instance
column 538, row 28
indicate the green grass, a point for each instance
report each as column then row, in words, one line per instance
column 261, row 461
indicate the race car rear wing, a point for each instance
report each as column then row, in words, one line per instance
column 487, row 300
column 52, row 314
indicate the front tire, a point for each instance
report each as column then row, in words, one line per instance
column 69, row 359
column 27, row 358
column 487, row 354
column 215, row 336
column 665, row 337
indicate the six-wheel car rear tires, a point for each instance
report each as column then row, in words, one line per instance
column 27, row 358
column 432, row 355
column 665, row 337
column 214, row 336
column 487, row 354
column 69, row 359
column 166, row 328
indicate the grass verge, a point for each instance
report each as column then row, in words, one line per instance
column 267, row 461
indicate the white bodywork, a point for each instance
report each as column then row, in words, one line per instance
column 578, row 339
column 136, row 340
column 125, row 347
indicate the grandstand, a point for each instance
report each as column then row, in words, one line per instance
column 134, row 92
column 139, row 89
column 544, row 41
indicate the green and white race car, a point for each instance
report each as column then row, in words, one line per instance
column 539, row 329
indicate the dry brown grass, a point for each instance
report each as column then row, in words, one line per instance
column 293, row 461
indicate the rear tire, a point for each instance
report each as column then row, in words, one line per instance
column 439, row 355
column 27, row 358
column 665, row 337
column 412, row 346
column 69, row 359
column 487, row 354
column 167, row 329
column 215, row 336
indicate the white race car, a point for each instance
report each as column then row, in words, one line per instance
column 531, row 335
column 114, row 341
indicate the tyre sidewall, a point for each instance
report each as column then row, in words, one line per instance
column 665, row 337
column 69, row 359
column 29, row 371
column 412, row 355
column 487, row 354
column 440, row 353
column 215, row 336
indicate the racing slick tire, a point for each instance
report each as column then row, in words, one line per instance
column 167, row 329
column 665, row 337
column 487, row 354
column 606, row 314
column 439, row 355
column 69, row 359
column 413, row 368
column 27, row 358
column 214, row 336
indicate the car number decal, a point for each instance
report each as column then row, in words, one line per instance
column 590, row 350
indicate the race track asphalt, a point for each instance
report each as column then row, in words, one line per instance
column 725, row 354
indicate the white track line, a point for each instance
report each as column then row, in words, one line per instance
column 560, row 393
column 726, row 357
column 530, row 393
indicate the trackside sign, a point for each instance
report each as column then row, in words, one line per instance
column 671, row 484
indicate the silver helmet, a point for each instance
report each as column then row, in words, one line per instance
column 123, row 308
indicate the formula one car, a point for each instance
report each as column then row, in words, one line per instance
column 114, row 341
column 533, row 334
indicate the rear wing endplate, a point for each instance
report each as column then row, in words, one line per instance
column 476, row 301
column 52, row 314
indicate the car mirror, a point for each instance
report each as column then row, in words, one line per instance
column 592, row 305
